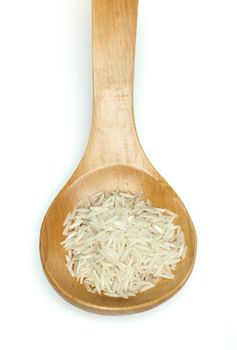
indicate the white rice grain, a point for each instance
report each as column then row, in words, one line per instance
column 119, row 245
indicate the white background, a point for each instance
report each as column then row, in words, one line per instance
column 186, row 110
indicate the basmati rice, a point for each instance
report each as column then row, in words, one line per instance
column 119, row 245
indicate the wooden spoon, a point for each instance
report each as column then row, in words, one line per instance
column 113, row 159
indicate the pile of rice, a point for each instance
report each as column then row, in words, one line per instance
column 120, row 245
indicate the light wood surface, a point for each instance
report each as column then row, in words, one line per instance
column 113, row 159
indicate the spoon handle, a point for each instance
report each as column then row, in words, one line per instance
column 114, row 35
column 113, row 136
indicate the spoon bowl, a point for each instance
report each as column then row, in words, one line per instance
column 114, row 159
column 126, row 178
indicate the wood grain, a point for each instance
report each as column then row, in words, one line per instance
column 113, row 159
